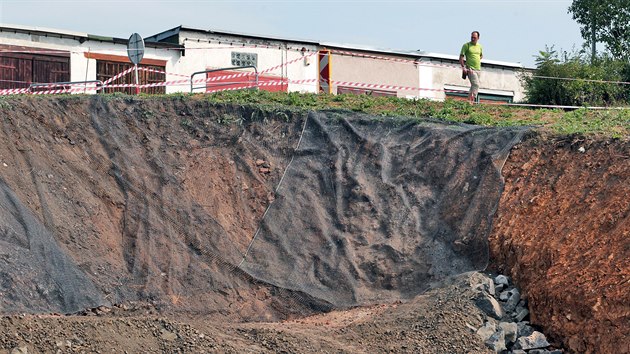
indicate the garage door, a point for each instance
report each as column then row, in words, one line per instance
column 20, row 66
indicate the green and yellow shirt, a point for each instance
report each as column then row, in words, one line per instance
column 473, row 53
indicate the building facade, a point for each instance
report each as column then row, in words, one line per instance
column 35, row 59
column 185, row 59
column 281, row 64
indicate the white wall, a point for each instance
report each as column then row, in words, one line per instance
column 435, row 74
column 428, row 75
column 213, row 51
column 302, row 66
column 427, row 78
column 366, row 70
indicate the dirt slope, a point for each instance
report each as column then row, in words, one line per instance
column 150, row 202
column 563, row 230
column 160, row 200
column 153, row 203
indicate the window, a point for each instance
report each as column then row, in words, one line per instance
column 244, row 59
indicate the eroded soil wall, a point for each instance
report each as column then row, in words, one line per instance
column 167, row 200
column 151, row 200
column 563, row 231
column 159, row 200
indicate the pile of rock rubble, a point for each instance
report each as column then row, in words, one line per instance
column 506, row 329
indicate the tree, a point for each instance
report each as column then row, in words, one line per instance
column 606, row 22
column 567, row 79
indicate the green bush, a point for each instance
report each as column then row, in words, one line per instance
column 572, row 81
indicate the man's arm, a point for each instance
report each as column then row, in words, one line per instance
column 461, row 60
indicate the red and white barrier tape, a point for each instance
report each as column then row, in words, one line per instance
column 118, row 76
column 66, row 90
column 14, row 91
column 224, row 77
column 212, row 90
column 287, row 63
column 213, row 78
column 387, row 87
column 209, row 80
column 404, row 61
column 341, row 83
column 162, row 72
column 166, row 83
column 303, row 82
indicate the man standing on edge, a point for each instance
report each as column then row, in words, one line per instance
column 473, row 52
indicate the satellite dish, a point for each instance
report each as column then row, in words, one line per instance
column 135, row 48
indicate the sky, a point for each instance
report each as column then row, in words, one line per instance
column 511, row 31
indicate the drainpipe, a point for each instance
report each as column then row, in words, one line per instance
column 418, row 68
column 285, row 69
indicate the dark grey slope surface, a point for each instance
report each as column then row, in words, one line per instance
column 35, row 273
column 371, row 212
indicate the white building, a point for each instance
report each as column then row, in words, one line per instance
column 183, row 59
column 282, row 64
column 351, row 68
column 35, row 55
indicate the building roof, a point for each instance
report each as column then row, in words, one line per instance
column 78, row 36
column 174, row 31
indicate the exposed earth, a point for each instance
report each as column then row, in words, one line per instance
column 178, row 225
column 562, row 231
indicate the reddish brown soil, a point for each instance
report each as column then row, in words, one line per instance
column 563, row 231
